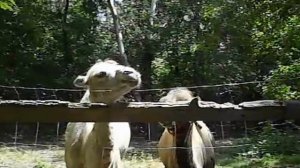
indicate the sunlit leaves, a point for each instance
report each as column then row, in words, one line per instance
column 284, row 83
column 7, row 4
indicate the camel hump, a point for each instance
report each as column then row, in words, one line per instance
column 178, row 94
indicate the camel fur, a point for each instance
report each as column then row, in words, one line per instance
column 199, row 139
column 98, row 145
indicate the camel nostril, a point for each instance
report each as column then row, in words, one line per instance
column 127, row 72
column 101, row 74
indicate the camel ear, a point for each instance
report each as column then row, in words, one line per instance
column 80, row 81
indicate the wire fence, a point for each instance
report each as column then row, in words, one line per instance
column 41, row 93
column 221, row 130
column 148, row 90
column 128, row 149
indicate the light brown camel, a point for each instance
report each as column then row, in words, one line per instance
column 98, row 145
column 193, row 139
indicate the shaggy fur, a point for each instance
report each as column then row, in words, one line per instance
column 98, row 145
column 195, row 135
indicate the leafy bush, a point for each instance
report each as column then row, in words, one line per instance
column 284, row 83
column 272, row 141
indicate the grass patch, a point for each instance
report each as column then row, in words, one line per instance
column 34, row 157
column 142, row 159
column 233, row 157
column 264, row 162
column 30, row 157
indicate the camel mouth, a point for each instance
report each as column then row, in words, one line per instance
column 131, row 81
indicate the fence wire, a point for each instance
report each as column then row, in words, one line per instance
column 146, row 90
column 54, row 93
column 128, row 149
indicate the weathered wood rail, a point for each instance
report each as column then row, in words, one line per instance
column 58, row 111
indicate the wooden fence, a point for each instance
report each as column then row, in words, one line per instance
column 58, row 111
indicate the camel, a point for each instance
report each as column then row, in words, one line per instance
column 99, row 144
column 194, row 139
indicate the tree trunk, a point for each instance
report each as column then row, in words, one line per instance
column 119, row 36
column 146, row 68
column 66, row 45
column 148, row 56
column 146, row 62
column 152, row 13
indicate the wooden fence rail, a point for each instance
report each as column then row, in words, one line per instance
column 59, row 111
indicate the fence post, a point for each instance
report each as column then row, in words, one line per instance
column 154, row 131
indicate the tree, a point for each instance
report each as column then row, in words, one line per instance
column 185, row 43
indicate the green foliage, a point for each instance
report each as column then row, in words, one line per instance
column 272, row 142
column 264, row 162
column 284, row 83
column 268, row 147
column 190, row 43
column 7, row 4
column 42, row 164
column 32, row 43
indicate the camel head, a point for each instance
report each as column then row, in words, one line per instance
column 175, row 95
column 107, row 81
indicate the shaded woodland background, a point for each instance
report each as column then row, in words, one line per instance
column 47, row 43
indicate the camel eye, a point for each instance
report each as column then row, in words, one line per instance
column 101, row 74
column 127, row 72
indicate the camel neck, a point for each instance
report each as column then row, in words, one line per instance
column 182, row 134
column 98, row 97
column 107, row 97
